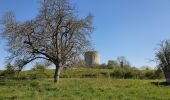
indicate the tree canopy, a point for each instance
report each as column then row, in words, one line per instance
column 57, row 35
column 163, row 58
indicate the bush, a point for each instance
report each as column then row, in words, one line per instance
column 159, row 73
column 9, row 72
column 38, row 72
column 129, row 73
column 39, row 67
column 124, row 73
column 112, row 64
column 149, row 75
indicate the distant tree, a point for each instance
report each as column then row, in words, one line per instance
column 38, row 71
column 57, row 35
column 40, row 67
column 122, row 62
column 145, row 68
column 9, row 70
column 163, row 58
column 112, row 63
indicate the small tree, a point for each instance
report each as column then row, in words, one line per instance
column 40, row 68
column 163, row 58
column 57, row 35
column 122, row 62
column 9, row 71
column 38, row 71
column 112, row 63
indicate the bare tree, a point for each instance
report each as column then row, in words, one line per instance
column 57, row 35
column 122, row 62
column 163, row 58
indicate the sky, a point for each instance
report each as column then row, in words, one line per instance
column 130, row 28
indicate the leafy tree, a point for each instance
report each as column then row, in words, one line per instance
column 57, row 35
column 40, row 67
column 10, row 68
column 145, row 68
column 163, row 58
column 159, row 74
column 112, row 63
column 9, row 71
column 38, row 71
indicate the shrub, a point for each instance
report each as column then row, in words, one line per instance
column 39, row 67
column 158, row 74
column 9, row 72
column 149, row 75
column 38, row 72
column 112, row 63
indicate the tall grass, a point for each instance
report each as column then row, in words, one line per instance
column 84, row 89
column 86, row 84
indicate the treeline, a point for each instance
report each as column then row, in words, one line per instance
column 96, row 71
column 112, row 72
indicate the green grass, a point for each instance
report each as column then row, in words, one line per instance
column 85, row 84
column 84, row 89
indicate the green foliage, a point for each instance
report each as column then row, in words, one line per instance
column 159, row 74
column 9, row 71
column 100, row 72
column 112, row 63
column 40, row 68
column 35, row 73
column 38, row 72
column 116, row 72
column 125, row 73
column 162, row 55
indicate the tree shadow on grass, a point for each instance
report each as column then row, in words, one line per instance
column 160, row 83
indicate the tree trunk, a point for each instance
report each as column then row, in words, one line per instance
column 167, row 74
column 18, row 72
column 57, row 74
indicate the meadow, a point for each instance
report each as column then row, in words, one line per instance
column 85, row 89
column 86, row 84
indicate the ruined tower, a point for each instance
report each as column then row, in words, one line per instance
column 92, row 57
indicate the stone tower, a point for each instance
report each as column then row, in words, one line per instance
column 92, row 57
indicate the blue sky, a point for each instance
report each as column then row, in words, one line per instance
column 130, row 28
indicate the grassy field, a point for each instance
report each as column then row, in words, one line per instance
column 84, row 89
